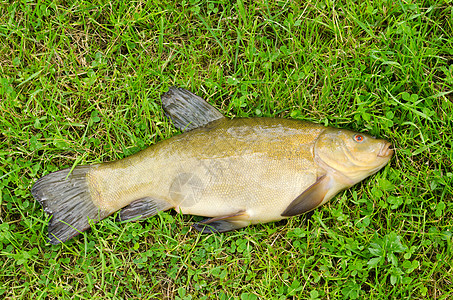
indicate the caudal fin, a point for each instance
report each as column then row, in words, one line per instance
column 66, row 196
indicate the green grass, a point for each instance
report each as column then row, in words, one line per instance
column 80, row 83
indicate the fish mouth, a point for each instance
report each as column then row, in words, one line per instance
column 385, row 151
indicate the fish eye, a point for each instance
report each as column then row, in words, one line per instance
column 359, row 138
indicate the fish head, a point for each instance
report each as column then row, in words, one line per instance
column 353, row 155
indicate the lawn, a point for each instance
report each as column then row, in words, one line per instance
column 80, row 83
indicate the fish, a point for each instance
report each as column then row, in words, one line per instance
column 235, row 172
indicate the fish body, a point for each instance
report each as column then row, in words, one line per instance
column 236, row 172
column 234, row 165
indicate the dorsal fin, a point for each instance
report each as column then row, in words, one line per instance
column 187, row 110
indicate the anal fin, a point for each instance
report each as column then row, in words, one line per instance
column 142, row 209
column 310, row 198
column 223, row 223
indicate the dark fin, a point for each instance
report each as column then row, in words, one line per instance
column 223, row 223
column 308, row 215
column 65, row 195
column 142, row 209
column 310, row 199
column 187, row 110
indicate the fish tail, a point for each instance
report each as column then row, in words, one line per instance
column 65, row 195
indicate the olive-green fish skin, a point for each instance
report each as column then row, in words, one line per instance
column 237, row 172
column 229, row 162
column 256, row 165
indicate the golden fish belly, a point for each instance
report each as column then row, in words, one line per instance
column 254, row 165
column 261, row 192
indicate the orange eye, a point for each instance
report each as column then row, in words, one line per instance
column 358, row 138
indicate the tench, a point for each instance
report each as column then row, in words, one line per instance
column 236, row 172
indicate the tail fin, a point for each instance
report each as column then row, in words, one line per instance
column 66, row 196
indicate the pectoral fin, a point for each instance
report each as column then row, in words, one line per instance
column 310, row 198
column 223, row 223
column 142, row 208
column 187, row 110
